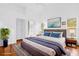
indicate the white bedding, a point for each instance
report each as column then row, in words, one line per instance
column 45, row 49
column 58, row 40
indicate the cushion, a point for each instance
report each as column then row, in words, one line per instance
column 56, row 35
column 46, row 33
column 61, row 33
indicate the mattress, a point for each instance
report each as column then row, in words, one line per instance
column 40, row 47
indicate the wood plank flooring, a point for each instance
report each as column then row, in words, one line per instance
column 9, row 51
column 74, row 51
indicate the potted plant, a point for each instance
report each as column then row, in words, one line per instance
column 4, row 35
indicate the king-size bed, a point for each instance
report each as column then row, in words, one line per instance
column 45, row 45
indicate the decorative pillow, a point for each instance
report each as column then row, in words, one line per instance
column 56, row 35
column 47, row 33
column 61, row 33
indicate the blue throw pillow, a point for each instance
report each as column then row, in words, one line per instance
column 46, row 33
column 56, row 35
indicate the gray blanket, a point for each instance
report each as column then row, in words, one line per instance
column 54, row 45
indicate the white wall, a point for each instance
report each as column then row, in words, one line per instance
column 8, row 15
column 41, row 12
column 36, row 13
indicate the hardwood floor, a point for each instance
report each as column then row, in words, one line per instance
column 74, row 51
column 7, row 51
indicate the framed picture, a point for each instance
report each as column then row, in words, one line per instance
column 54, row 22
column 71, row 23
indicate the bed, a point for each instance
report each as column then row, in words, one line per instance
column 45, row 45
column 58, row 40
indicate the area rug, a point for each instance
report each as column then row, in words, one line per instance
column 20, row 51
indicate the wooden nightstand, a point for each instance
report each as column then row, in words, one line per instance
column 71, row 42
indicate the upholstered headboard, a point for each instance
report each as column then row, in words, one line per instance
column 57, row 30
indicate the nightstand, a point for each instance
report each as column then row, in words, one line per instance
column 71, row 42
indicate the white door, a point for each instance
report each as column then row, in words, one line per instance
column 20, row 28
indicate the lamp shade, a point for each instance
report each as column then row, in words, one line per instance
column 72, row 31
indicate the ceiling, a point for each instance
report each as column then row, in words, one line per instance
column 25, row 5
